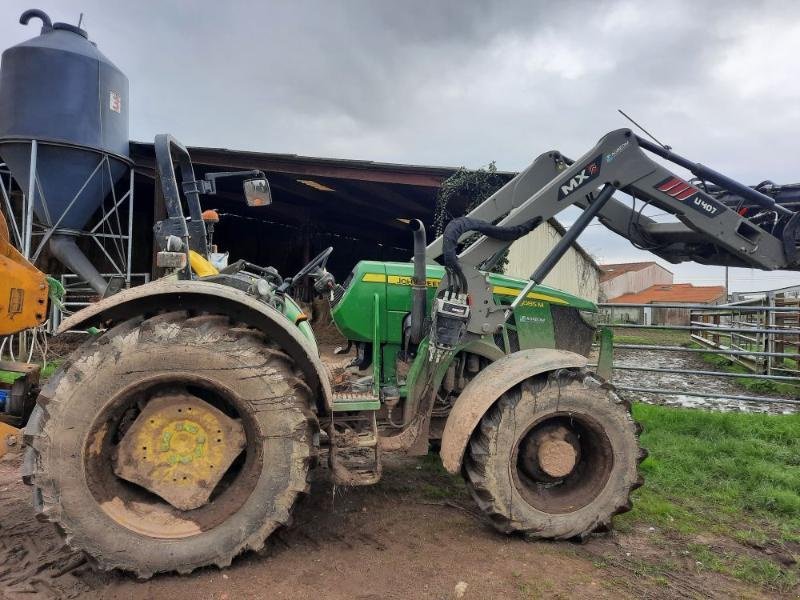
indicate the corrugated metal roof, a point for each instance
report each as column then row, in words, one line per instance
column 367, row 170
column 673, row 292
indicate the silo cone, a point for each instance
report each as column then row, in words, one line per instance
column 60, row 90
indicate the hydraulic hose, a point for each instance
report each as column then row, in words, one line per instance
column 458, row 227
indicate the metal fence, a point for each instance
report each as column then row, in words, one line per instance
column 763, row 338
column 78, row 295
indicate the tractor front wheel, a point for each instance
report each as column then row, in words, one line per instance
column 170, row 443
column 555, row 457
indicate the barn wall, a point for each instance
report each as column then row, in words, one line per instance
column 627, row 314
column 676, row 316
column 574, row 273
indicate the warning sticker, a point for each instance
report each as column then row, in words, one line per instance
column 15, row 301
column 115, row 101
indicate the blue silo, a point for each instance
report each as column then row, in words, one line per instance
column 61, row 91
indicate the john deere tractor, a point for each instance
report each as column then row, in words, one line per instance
column 184, row 433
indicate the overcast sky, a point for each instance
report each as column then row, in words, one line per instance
column 462, row 82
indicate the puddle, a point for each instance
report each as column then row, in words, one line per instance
column 679, row 380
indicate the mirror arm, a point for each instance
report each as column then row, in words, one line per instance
column 208, row 185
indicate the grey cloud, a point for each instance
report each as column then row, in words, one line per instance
column 460, row 82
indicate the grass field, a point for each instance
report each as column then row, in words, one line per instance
column 721, row 363
column 731, row 475
column 651, row 337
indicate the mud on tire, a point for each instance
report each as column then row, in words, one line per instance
column 517, row 495
column 81, row 414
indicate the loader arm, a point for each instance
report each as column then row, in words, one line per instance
column 707, row 231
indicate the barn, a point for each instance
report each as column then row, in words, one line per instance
column 359, row 207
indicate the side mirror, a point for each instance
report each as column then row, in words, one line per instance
column 257, row 192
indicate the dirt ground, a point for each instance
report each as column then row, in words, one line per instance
column 414, row 535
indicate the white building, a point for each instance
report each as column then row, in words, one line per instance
column 631, row 278
column 576, row 272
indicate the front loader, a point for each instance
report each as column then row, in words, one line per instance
column 183, row 434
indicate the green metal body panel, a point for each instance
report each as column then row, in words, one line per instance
column 292, row 311
column 605, row 359
column 377, row 299
column 353, row 314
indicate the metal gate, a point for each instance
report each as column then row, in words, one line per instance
column 765, row 339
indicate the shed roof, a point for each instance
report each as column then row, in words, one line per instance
column 673, row 292
column 360, row 198
column 339, row 168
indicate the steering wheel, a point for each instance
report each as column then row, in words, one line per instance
column 318, row 262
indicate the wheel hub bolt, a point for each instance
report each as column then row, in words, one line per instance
column 556, row 457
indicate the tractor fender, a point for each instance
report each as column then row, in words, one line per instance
column 487, row 386
column 485, row 349
column 171, row 294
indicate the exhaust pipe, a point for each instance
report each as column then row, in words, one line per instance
column 419, row 285
column 66, row 250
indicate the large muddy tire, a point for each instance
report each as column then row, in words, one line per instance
column 85, row 409
column 555, row 457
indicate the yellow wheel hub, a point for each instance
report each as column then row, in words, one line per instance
column 184, row 441
column 179, row 447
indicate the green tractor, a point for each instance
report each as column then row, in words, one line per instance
column 184, row 433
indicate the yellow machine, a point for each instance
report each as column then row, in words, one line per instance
column 23, row 288
column 23, row 304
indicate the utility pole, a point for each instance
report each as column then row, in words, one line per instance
column 727, row 297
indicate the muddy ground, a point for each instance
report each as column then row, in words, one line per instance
column 677, row 379
column 414, row 535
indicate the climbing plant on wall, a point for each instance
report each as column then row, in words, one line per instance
column 468, row 188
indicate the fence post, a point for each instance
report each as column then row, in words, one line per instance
column 769, row 338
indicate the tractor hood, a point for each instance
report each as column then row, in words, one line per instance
column 392, row 281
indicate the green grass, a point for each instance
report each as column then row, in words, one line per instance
column 758, row 571
column 734, row 475
column 723, row 467
column 50, row 368
column 651, row 337
column 761, row 386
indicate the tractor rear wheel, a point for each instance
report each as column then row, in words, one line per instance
column 171, row 443
column 556, row 457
